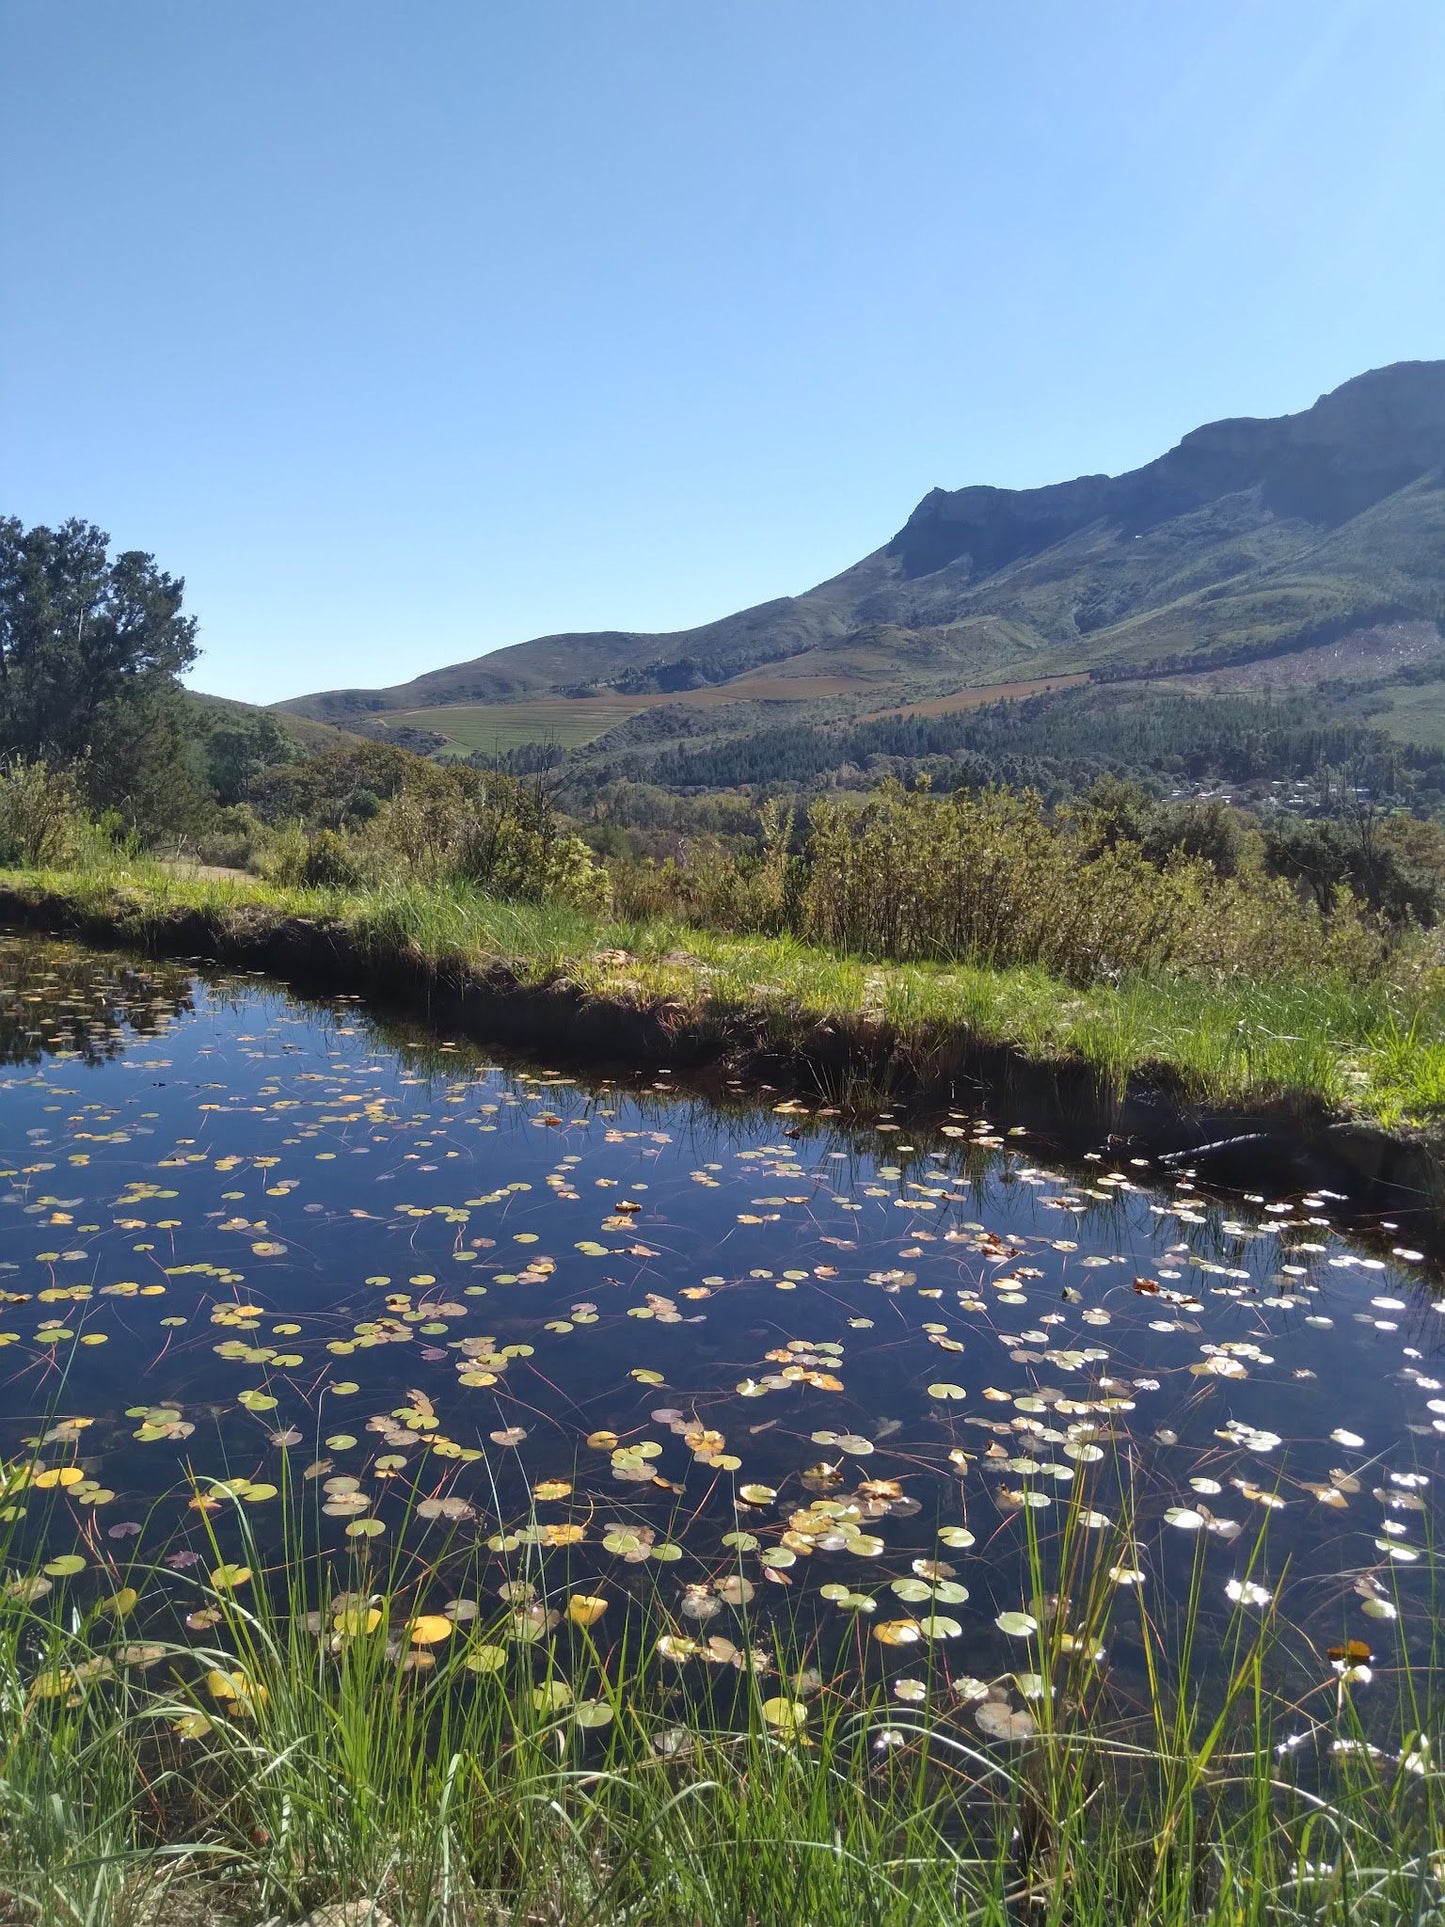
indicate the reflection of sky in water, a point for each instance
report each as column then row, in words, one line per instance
column 871, row 1304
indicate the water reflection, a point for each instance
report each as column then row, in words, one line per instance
column 55, row 1001
column 741, row 1368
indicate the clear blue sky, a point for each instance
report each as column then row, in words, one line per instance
column 404, row 329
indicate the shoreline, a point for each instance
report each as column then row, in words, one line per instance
column 863, row 1063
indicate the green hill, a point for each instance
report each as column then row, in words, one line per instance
column 1253, row 539
column 208, row 713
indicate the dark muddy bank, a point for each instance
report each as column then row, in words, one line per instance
column 860, row 1065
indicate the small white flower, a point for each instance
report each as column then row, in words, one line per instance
column 1244, row 1592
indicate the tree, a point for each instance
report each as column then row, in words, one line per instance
column 91, row 651
column 239, row 748
column 1377, row 864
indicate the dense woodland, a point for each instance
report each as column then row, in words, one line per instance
column 1057, row 744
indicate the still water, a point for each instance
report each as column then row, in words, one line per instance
column 764, row 1368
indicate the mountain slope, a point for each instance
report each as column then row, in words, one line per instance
column 1251, row 536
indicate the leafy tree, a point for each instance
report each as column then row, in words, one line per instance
column 238, row 750
column 1323, row 855
column 91, row 650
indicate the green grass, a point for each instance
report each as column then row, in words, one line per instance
column 291, row 1755
column 1374, row 1050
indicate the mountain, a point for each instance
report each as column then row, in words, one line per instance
column 1253, row 538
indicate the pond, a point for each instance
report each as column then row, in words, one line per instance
column 757, row 1379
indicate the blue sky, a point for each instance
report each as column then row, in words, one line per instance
column 405, row 329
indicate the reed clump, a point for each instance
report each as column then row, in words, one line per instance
column 328, row 1733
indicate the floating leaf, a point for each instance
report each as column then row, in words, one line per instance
column 940, row 1626
column 592, row 1713
column 485, row 1658
column 1001, row 1722
column 236, row 1689
column 1017, row 1625
column 1244, row 1592
column 353, row 1622
column 57, row 1475
column 1185, row 1517
column 787, row 1717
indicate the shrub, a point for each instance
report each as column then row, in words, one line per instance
column 442, row 826
column 490, row 831
column 42, row 823
column 989, row 877
column 985, row 876
column 231, row 839
column 712, row 885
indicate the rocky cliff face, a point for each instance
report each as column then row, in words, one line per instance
column 1357, row 445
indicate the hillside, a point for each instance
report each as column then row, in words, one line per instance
column 1251, row 539
column 208, row 713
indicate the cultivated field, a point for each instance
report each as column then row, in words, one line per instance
column 573, row 720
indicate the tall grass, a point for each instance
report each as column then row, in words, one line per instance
column 304, row 1749
column 1375, row 1046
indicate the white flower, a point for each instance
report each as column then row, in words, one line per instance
column 1244, row 1592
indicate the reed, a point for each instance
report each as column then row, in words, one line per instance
column 306, row 1748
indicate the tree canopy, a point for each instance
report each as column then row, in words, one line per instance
column 91, row 650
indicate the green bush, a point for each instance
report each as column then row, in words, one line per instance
column 436, row 826
column 323, row 860
column 1094, row 894
column 42, row 823
column 231, row 839
column 987, row 877
column 713, row 885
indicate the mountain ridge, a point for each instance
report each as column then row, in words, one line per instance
column 1245, row 536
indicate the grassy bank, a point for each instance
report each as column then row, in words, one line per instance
column 871, row 1031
